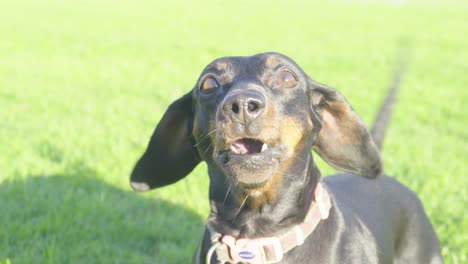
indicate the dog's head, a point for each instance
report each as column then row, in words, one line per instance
column 250, row 118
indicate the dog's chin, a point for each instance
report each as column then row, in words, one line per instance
column 250, row 167
column 250, row 175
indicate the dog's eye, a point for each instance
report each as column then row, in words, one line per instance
column 209, row 85
column 286, row 79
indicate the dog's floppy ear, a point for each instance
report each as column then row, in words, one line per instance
column 170, row 155
column 342, row 138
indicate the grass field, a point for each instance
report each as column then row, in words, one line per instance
column 83, row 83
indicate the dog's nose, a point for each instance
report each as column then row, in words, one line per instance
column 244, row 106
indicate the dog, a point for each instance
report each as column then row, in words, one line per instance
column 254, row 120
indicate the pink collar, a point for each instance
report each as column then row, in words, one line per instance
column 267, row 250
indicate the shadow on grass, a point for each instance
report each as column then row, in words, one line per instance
column 77, row 218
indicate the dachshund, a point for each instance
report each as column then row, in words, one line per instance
column 254, row 120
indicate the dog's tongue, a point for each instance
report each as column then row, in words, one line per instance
column 246, row 146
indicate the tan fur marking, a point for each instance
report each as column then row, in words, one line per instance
column 270, row 131
column 340, row 124
column 292, row 133
column 272, row 61
column 222, row 65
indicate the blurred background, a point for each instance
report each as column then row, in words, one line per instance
column 83, row 84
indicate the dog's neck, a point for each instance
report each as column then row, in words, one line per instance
column 294, row 197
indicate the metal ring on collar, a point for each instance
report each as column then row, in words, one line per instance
column 211, row 251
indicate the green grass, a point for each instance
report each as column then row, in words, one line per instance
column 82, row 85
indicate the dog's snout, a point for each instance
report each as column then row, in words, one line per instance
column 244, row 106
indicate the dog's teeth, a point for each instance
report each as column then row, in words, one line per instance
column 264, row 147
column 234, row 149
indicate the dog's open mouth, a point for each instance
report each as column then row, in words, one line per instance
column 247, row 146
column 250, row 161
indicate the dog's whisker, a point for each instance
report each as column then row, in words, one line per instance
column 208, row 133
column 299, row 159
column 211, row 132
column 201, row 141
column 204, row 137
column 240, row 208
column 227, row 194
column 285, row 174
column 207, row 148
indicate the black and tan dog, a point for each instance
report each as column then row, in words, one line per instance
column 254, row 121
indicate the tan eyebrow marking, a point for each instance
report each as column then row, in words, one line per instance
column 272, row 61
column 222, row 65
